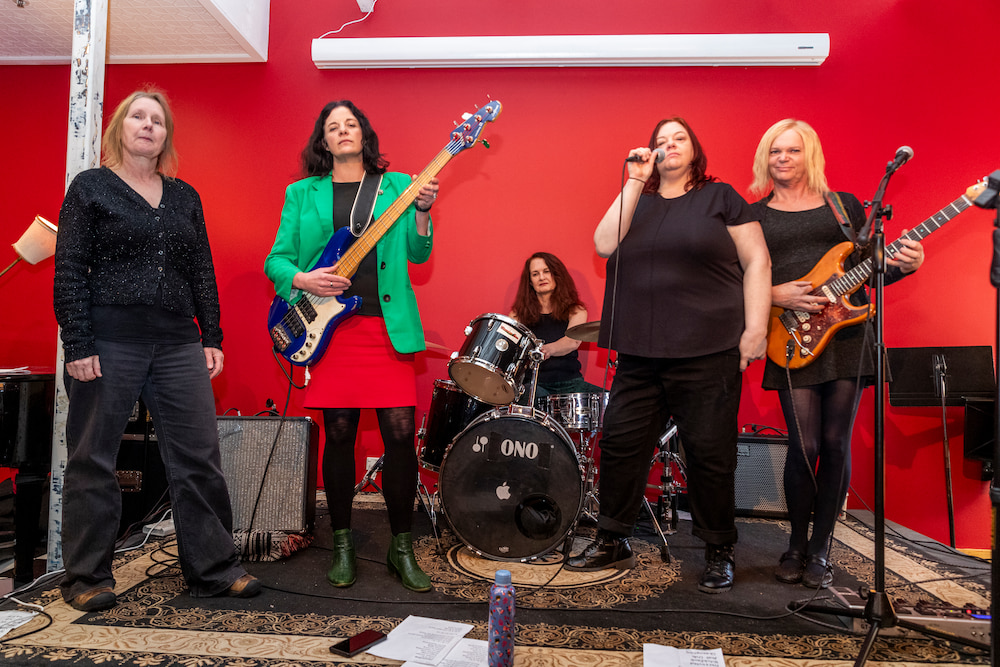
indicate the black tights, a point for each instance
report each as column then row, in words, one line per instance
column 825, row 412
column 399, row 471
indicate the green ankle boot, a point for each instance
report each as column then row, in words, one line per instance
column 403, row 564
column 343, row 570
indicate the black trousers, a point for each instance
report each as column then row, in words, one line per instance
column 702, row 394
column 173, row 382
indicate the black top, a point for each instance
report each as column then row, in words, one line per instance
column 555, row 369
column 680, row 283
column 797, row 241
column 364, row 282
column 114, row 249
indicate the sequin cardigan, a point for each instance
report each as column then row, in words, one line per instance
column 113, row 248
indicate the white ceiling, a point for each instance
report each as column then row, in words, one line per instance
column 139, row 31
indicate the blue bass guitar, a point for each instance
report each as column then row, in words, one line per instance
column 301, row 331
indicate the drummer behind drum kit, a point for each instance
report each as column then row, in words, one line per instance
column 512, row 482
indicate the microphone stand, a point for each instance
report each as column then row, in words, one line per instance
column 878, row 609
column 990, row 199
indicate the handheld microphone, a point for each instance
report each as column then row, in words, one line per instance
column 659, row 154
column 903, row 155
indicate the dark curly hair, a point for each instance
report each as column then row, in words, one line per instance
column 317, row 160
column 565, row 298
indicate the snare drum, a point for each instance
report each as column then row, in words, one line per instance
column 576, row 412
column 492, row 362
column 451, row 411
column 511, row 484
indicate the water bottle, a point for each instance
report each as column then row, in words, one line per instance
column 501, row 628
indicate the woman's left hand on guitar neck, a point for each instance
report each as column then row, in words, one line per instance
column 910, row 256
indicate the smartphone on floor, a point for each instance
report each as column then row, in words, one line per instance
column 350, row 647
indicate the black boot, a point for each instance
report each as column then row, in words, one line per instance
column 720, row 566
column 607, row 551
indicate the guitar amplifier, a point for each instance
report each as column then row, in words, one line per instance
column 760, row 470
column 270, row 469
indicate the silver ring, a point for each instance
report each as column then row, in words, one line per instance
column 331, row 283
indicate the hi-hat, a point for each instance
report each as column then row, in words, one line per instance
column 586, row 332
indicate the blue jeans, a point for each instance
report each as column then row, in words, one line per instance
column 173, row 382
column 702, row 394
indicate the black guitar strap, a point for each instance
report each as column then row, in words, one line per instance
column 840, row 213
column 364, row 203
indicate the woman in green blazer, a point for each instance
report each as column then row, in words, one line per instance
column 370, row 359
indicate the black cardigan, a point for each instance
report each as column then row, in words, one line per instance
column 113, row 248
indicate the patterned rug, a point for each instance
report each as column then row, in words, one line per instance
column 563, row 618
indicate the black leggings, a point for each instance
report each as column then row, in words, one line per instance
column 825, row 412
column 399, row 471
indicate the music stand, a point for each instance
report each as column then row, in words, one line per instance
column 941, row 376
column 969, row 375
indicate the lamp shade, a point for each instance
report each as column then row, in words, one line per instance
column 38, row 241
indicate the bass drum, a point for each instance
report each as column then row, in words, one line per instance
column 511, row 484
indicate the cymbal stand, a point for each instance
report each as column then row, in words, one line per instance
column 667, row 502
column 426, row 501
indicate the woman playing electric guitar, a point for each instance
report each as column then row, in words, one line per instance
column 819, row 400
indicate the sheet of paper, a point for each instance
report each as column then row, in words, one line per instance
column 14, row 619
column 467, row 653
column 423, row 640
column 654, row 655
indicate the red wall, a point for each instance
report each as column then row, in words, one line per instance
column 918, row 73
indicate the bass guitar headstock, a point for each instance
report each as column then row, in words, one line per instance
column 467, row 132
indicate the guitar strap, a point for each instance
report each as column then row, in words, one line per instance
column 840, row 213
column 364, row 203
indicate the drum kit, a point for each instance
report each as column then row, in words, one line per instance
column 514, row 480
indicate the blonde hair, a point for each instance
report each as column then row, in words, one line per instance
column 111, row 142
column 813, row 153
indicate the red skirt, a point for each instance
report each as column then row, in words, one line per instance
column 361, row 369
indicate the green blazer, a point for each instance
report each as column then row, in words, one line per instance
column 307, row 226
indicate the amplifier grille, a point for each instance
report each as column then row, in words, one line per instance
column 288, row 499
column 760, row 467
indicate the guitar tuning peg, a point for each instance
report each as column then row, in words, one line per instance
column 485, row 143
column 466, row 116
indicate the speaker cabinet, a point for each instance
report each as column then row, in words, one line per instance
column 760, row 469
column 270, row 469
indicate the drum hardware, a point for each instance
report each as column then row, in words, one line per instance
column 582, row 415
column 668, row 454
column 422, row 493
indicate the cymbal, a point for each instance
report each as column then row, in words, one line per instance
column 586, row 332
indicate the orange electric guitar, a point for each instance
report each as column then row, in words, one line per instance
column 798, row 337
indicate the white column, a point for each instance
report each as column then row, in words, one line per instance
column 83, row 151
